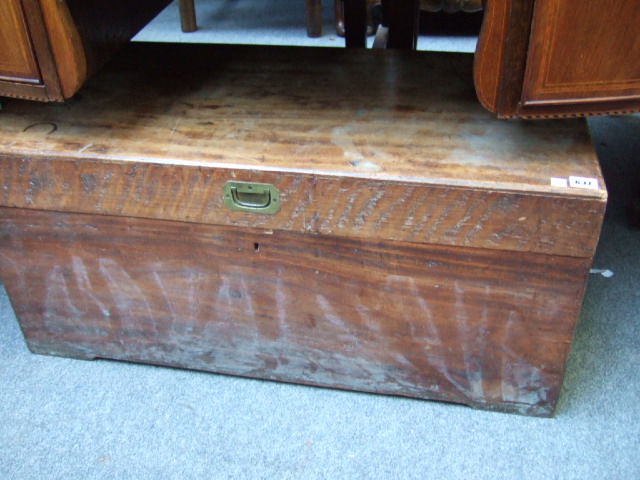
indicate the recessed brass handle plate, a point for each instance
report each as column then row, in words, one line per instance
column 251, row 197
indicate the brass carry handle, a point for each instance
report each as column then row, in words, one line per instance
column 251, row 197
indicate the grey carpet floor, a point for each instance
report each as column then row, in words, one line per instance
column 71, row 419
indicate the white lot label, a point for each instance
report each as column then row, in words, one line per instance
column 583, row 182
column 559, row 182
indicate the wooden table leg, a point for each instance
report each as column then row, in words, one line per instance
column 338, row 7
column 402, row 19
column 188, row 16
column 313, row 10
column 355, row 23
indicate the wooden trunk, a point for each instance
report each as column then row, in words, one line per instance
column 419, row 248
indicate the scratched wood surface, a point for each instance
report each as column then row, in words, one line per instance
column 357, row 154
column 480, row 327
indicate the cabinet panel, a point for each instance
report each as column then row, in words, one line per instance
column 17, row 59
column 583, row 52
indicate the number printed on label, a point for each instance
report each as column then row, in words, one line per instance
column 584, row 182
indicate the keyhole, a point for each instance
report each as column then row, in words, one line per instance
column 256, row 247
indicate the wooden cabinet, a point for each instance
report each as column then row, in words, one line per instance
column 581, row 52
column 50, row 47
column 559, row 57
column 17, row 58
column 27, row 68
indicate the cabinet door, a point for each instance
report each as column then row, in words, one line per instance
column 583, row 51
column 17, row 58
column 559, row 58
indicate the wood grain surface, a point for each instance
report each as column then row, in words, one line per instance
column 312, row 204
column 393, row 160
column 320, row 115
column 485, row 328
